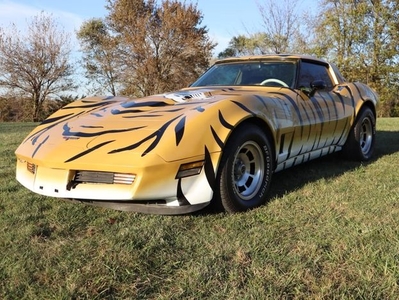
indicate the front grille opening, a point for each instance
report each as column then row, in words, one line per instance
column 103, row 177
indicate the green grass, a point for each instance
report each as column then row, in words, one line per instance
column 330, row 230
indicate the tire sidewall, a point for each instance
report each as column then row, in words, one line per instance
column 230, row 199
column 365, row 114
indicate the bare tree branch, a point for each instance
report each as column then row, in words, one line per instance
column 36, row 64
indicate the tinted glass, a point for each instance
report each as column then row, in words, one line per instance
column 310, row 72
column 248, row 73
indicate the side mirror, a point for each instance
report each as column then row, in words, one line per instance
column 317, row 85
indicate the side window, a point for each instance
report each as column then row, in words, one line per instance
column 310, row 72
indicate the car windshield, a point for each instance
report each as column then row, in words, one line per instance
column 268, row 73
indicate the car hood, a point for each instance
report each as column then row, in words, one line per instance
column 111, row 131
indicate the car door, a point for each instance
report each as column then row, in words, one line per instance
column 325, row 113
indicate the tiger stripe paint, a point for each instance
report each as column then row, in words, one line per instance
column 153, row 136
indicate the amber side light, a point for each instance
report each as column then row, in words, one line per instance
column 31, row 167
column 190, row 169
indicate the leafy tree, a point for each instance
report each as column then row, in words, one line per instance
column 360, row 37
column 363, row 41
column 100, row 55
column 161, row 47
column 254, row 44
column 36, row 64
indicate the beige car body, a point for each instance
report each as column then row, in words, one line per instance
column 161, row 153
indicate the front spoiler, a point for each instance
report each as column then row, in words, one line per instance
column 147, row 208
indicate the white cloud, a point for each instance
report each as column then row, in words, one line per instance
column 21, row 14
column 14, row 13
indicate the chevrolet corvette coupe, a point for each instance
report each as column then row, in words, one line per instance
column 219, row 140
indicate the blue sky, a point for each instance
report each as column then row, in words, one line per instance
column 224, row 18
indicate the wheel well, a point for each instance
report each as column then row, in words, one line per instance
column 262, row 125
column 370, row 105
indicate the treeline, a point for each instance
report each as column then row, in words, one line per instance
column 144, row 47
column 360, row 36
column 17, row 108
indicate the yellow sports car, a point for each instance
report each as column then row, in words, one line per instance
column 220, row 140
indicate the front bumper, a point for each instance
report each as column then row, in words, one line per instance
column 155, row 189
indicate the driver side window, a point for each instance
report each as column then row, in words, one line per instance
column 309, row 72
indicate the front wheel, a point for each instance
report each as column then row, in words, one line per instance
column 361, row 139
column 245, row 171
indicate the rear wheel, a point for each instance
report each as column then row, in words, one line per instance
column 245, row 171
column 361, row 139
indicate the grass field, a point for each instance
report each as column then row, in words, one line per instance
column 330, row 230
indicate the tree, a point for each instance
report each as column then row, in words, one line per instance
column 282, row 32
column 363, row 42
column 36, row 64
column 100, row 55
column 161, row 47
column 281, row 23
column 253, row 44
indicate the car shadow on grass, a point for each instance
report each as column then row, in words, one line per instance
column 327, row 167
column 387, row 143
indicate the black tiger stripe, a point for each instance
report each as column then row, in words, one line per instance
column 341, row 99
column 262, row 100
column 318, row 108
column 217, row 138
column 130, row 104
column 179, row 130
column 67, row 131
column 243, row 107
column 91, row 126
column 39, row 146
column 141, row 116
column 127, row 111
column 313, row 127
column 88, row 151
column 157, row 134
column 326, row 103
column 181, row 198
column 294, row 104
column 35, row 136
column 290, row 145
column 310, row 125
column 55, row 119
column 343, row 132
column 300, row 150
column 209, row 170
column 170, row 110
column 93, row 105
column 224, row 122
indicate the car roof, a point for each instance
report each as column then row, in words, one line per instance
column 272, row 57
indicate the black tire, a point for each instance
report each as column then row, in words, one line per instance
column 361, row 140
column 245, row 170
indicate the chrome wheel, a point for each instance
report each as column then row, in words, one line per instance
column 248, row 170
column 245, row 170
column 366, row 135
column 361, row 138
